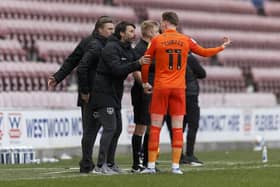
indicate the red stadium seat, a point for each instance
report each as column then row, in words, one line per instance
column 206, row 20
column 10, row 50
column 202, row 5
column 5, row 76
column 223, row 6
column 54, row 51
column 28, row 31
column 222, row 79
column 74, row 1
column 272, row 8
column 27, row 76
column 248, row 58
column 241, row 39
column 266, row 79
column 62, row 11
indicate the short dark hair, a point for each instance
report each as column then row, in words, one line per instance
column 121, row 27
column 101, row 21
column 171, row 17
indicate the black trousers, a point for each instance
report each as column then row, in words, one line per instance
column 192, row 119
column 111, row 121
column 90, row 130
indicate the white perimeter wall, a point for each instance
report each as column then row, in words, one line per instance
column 63, row 128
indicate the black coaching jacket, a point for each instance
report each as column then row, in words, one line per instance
column 72, row 61
column 194, row 71
column 118, row 59
column 87, row 67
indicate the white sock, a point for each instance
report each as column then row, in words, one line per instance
column 175, row 165
column 151, row 165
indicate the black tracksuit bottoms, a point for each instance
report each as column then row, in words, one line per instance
column 111, row 121
column 90, row 131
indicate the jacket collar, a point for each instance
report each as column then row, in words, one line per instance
column 141, row 40
column 125, row 45
column 101, row 38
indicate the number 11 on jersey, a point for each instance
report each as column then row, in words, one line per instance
column 171, row 54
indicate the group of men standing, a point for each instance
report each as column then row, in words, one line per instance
column 158, row 62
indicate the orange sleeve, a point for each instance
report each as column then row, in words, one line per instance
column 145, row 72
column 206, row 52
column 145, row 67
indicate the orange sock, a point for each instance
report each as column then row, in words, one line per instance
column 177, row 143
column 153, row 143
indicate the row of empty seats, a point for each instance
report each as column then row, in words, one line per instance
column 27, row 76
column 28, row 31
column 245, row 59
column 241, row 39
column 223, row 79
column 267, row 79
column 38, row 100
column 54, row 51
column 248, row 58
column 207, row 20
column 81, row 13
column 225, row 6
column 11, row 50
column 53, row 28
column 73, row 1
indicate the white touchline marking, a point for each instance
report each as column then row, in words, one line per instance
column 73, row 168
column 193, row 169
column 188, row 169
column 43, row 178
column 224, row 162
column 57, row 172
column 46, row 168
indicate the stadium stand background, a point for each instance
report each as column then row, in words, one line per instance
column 37, row 35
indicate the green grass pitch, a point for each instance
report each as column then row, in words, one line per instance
column 241, row 168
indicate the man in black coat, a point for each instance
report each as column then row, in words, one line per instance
column 118, row 59
column 88, row 51
column 194, row 71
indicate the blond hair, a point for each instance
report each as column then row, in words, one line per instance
column 147, row 25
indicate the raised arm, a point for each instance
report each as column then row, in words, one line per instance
column 207, row 52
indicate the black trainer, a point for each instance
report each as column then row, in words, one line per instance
column 86, row 167
column 137, row 169
column 193, row 161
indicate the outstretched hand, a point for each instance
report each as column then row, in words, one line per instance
column 227, row 42
column 51, row 83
